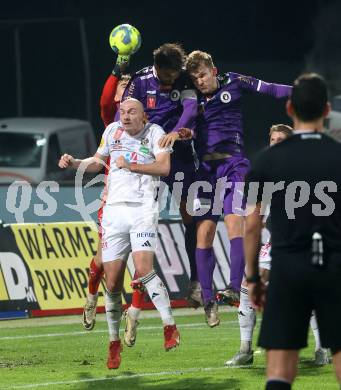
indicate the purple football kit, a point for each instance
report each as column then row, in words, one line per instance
column 171, row 109
column 220, row 148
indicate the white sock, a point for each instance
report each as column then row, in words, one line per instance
column 93, row 298
column 134, row 312
column 159, row 296
column 113, row 311
column 247, row 321
column 315, row 329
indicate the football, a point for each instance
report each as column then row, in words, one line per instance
column 125, row 39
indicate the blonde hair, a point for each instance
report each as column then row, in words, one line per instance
column 285, row 129
column 197, row 58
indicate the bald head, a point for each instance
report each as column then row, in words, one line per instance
column 132, row 116
column 132, row 102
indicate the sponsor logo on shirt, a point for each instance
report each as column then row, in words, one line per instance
column 225, row 97
column 151, row 101
column 144, row 150
column 175, row 95
column 246, row 79
column 131, row 90
column 131, row 157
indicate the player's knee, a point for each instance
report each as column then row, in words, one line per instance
column 205, row 236
column 234, row 225
column 113, row 286
column 143, row 270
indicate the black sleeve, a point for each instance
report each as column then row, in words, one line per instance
column 256, row 178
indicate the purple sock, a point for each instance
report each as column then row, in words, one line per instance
column 205, row 265
column 237, row 262
column 190, row 244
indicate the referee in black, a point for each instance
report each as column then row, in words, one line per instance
column 306, row 236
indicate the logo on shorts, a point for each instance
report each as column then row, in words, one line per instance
column 225, row 97
column 145, row 235
column 175, row 95
column 147, row 244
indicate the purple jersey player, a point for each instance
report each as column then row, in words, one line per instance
column 219, row 144
column 170, row 101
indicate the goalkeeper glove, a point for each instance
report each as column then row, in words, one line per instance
column 122, row 63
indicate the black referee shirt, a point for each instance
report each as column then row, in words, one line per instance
column 309, row 167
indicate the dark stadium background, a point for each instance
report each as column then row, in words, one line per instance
column 267, row 39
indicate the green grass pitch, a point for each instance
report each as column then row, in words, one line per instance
column 56, row 353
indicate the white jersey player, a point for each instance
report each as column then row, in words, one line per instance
column 130, row 214
column 246, row 313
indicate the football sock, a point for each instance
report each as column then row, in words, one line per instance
column 159, row 296
column 138, row 298
column 237, row 262
column 113, row 311
column 92, row 298
column 95, row 276
column 134, row 312
column 247, row 321
column 277, row 384
column 205, row 264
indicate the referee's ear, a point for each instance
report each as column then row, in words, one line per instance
column 290, row 108
column 327, row 110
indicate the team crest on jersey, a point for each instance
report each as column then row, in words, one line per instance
column 144, row 141
column 225, row 97
column 175, row 95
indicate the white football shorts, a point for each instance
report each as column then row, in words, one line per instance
column 128, row 227
column 265, row 257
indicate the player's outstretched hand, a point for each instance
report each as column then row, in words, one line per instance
column 185, row 134
column 66, row 161
column 168, row 140
column 121, row 65
column 121, row 162
column 257, row 292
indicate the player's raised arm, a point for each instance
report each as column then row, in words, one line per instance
column 113, row 90
column 255, row 85
column 190, row 109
